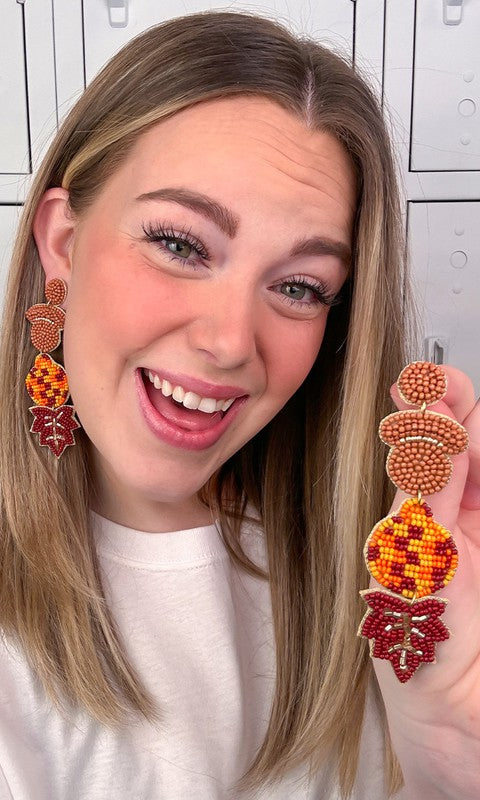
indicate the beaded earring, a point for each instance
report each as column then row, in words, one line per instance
column 410, row 554
column 47, row 382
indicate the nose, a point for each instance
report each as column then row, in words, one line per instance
column 225, row 329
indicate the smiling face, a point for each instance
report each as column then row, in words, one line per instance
column 205, row 267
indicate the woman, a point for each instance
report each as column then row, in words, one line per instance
column 221, row 208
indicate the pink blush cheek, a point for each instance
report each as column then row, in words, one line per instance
column 293, row 357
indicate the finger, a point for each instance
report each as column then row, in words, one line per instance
column 471, row 497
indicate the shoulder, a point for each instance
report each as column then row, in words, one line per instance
column 23, row 707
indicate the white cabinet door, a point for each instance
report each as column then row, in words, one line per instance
column 431, row 91
column 14, row 135
column 27, row 92
column 331, row 22
column 446, row 90
column 9, row 216
column 369, row 22
column 444, row 241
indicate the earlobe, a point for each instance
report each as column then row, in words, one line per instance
column 53, row 229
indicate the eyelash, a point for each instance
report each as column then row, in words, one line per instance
column 157, row 234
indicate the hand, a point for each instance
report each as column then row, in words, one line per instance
column 434, row 718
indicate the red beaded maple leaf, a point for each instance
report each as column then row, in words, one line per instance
column 403, row 632
column 55, row 426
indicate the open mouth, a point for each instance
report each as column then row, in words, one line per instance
column 182, row 407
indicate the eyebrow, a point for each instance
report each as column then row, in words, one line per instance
column 221, row 216
column 229, row 223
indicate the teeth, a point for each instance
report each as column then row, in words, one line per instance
column 189, row 400
column 167, row 388
column 178, row 394
column 208, row 405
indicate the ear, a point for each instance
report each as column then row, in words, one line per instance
column 53, row 229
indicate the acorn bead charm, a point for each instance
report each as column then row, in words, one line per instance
column 409, row 553
column 47, row 382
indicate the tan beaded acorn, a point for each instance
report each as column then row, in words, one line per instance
column 48, row 319
column 421, row 441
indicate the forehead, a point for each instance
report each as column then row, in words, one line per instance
column 250, row 150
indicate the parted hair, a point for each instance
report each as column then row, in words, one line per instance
column 314, row 475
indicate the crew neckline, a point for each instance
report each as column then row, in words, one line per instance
column 182, row 548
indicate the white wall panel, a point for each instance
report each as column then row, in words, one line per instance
column 444, row 241
column 328, row 21
column 368, row 41
column 408, row 65
column 446, row 90
column 9, row 216
column 14, row 145
column 28, row 105
column 69, row 53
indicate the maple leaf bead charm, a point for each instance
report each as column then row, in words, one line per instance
column 402, row 632
column 55, row 426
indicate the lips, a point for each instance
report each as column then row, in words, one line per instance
column 191, row 429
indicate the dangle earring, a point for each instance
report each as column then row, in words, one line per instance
column 47, row 382
column 410, row 554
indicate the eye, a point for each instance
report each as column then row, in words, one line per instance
column 305, row 292
column 180, row 244
column 294, row 290
column 179, row 247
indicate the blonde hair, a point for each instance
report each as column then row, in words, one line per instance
column 315, row 474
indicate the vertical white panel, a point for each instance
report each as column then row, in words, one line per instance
column 9, row 216
column 398, row 72
column 402, row 52
column 36, row 69
column 444, row 240
column 14, row 145
column 369, row 25
column 446, row 90
column 68, row 41
column 42, row 100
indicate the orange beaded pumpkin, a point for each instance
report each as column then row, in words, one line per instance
column 47, row 382
column 410, row 553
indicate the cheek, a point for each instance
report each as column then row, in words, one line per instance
column 117, row 300
column 293, row 355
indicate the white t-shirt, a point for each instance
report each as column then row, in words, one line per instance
column 198, row 630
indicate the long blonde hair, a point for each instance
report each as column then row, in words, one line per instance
column 314, row 474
